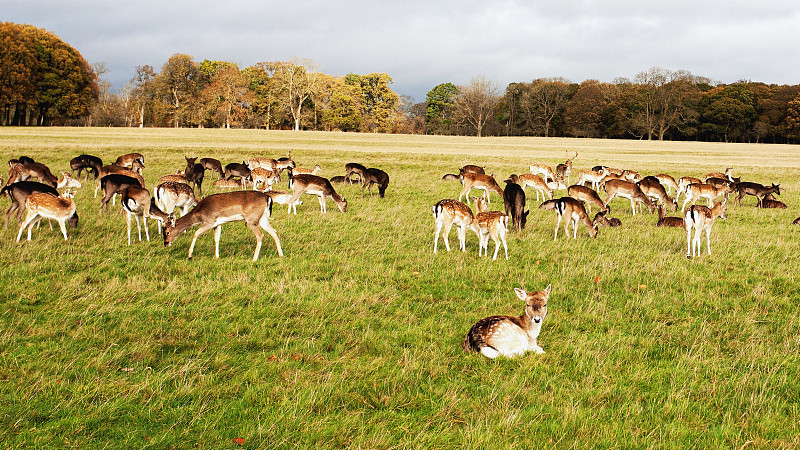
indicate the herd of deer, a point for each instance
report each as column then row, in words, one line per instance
column 651, row 192
column 175, row 193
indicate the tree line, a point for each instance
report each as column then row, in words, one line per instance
column 44, row 81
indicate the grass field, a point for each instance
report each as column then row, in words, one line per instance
column 353, row 339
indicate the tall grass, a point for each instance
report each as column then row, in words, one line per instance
column 352, row 339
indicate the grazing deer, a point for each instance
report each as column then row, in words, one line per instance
column 21, row 160
column 299, row 170
column 211, row 212
column 479, row 181
column 683, row 182
column 588, row 196
column 341, row 179
column 701, row 219
column 565, row 170
column 769, row 202
column 471, row 168
column 24, row 172
column 492, row 224
column 285, row 163
column 534, row 181
column 608, row 170
column 510, row 336
column 48, row 206
column 591, row 176
column 242, row 171
column 354, row 169
column 282, row 198
column 130, row 161
column 449, row 212
column 119, row 170
column 668, row 221
column 514, row 202
column 264, row 178
column 719, row 182
column 264, row 163
column 653, row 188
column 571, row 211
column 195, row 172
column 114, row 184
column 233, row 183
column 450, row 176
column 601, row 219
column 91, row 164
column 174, row 178
column 214, row 165
column 757, row 190
column 376, row 177
column 696, row 191
column 543, row 169
column 19, row 193
column 67, row 181
column 629, row 190
column 136, row 202
column 728, row 175
column 314, row 185
column 170, row 196
column 669, row 183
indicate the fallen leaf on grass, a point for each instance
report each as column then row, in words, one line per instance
column 597, row 279
column 238, row 441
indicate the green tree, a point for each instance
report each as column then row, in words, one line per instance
column 378, row 101
column 439, row 103
column 343, row 108
column 728, row 112
column 296, row 82
column 179, row 81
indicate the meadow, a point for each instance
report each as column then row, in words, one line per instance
column 353, row 338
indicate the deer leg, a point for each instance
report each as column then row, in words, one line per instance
column 708, row 241
column 264, row 223
column 63, row 225
column 322, row 207
column 217, row 235
column 446, row 234
column 128, row 224
column 436, row 236
column 201, row 230
column 14, row 207
column 146, row 231
column 465, row 190
column 685, row 201
column 28, row 219
column 558, row 223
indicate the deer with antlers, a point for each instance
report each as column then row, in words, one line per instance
column 700, row 219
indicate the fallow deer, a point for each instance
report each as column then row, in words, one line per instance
column 321, row 187
column 588, row 196
column 211, row 212
column 564, row 171
column 492, row 224
column 195, row 172
column 214, row 165
column 136, row 202
column 91, row 164
column 48, row 206
column 796, row 221
column 19, row 192
column 113, row 184
column 24, row 172
column 534, row 181
column 484, row 182
column 543, row 169
column 233, row 183
column 282, row 198
column 354, row 169
column 571, row 211
column 449, row 212
column 241, row 171
column 128, row 160
column 601, row 219
column 696, row 191
column 728, row 175
column 263, row 179
column 264, row 163
column 683, row 182
column 668, row 182
column 668, row 221
column 591, row 176
column 377, row 177
column 629, row 190
column 653, row 188
column 758, row 190
column 285, row 163
column 67, row 181
column 341, row 179
column 170, row 196
column 119, row 170
column 299, row 170
column 450, row 177
column 608, row 170
column 471, row 168
column 769, row 202
column 700, row 219
column 514, row 202
column 510, row 336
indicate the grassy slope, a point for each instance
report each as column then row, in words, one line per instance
column 353, row 338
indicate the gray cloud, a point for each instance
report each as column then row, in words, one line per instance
column 424, row 43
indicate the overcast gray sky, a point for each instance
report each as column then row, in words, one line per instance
column 422, row 43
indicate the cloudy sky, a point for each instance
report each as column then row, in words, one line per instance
column 422, row 43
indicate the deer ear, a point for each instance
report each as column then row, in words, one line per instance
column 546, row 290
column 521, row 294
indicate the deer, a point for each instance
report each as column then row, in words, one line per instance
column 264, row 163
column 264, row 178
column 354, row 169
column 484, row 182
column 510, row 336
column 668, row 221
column 377, row 177
column 514, row 202
column 601, row 219
column 113, row 184
column 571, row 211
column 728, row 175
column 700, row 219
column 629, row 190
column 668, row 182
column 653, row 188
column 115, row 169
column 449, row 212
column 174, row 178
column 90, row 164
column 770, row 202
column 282, row 198
column 314, row 185
column 129, row 160
column 299, row 170
column 215, row 210
column 285, row 163
column 67, row 181
column 136, row 202
column 543, row 169
column 228, row 184
column 195, row 172
column 170, row 196
column 591, row 176
column 534, row 181
column 43, row 205
column 588, row 196
column 242, row 171
column 608, row 170
column 492, row 224
column 683, row 182
column 565, row 170
column 19, row 193
column 214, row 165
column 696, row 191
column 471, row 168
column 24, row 172
column 757, row 190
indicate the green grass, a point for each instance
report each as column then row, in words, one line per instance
column 353, row 339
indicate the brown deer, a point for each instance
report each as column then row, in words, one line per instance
column 564, row 171
column 449, row 212
column 653, row 188
column 263, row 179
column 195, row 172
column 214, row 165
column 233, row 183
column 479, row 181
column 683, row 182
column 728, row 175
column 114, row 184
column 514, row 202
column 769, row 202
column 171, row 196
column 91, row 164
column 696, row 191
column 130, row 161
column 299, row 170
column 534, row 181
column 211, row 212
column 24, row 172
column 242, row 171
column 354, row 169
column 601, row 220
column 668, row 221
column 758, row 190
column 377, row 177
column 314, row 185
column 571, row 211
column 700, row 219
column 48, row 206
column 492, row 224
column 471, row 168
column 510, row 336
column 588, row 196
column 115, row 169
column 629, row 190
column 668, row 182
column 543, row 169
column 137, row 202
column 591, row 176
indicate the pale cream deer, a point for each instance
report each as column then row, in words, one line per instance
column 668, row 182
column 543, row 169
column 700, row 219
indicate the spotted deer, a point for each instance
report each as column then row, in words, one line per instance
column 700, row 219
column 492, row 224
column 314, row 185
column 48, row 206
column 483, row 182
column 696, row 191
column 564, row 171
column 263, row 179
column 449, row 212
column 591, row 176
column 668, row 182
column 510, row 336
column 588, row 196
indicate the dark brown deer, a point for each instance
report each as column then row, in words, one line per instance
column 213, row 165
column 668, row 221
column 91, row 164
column 758, row 190
column 514, row 201
column 354, row 168
column 19, row 193
column 114, row 184
column 376, row 177
column 194, row 173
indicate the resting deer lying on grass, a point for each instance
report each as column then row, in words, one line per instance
column 668, row 221
column 770, row 202
column 211, row 212
column 510, row 336
column 700, row 219
column 449, row 212
column 601, row 220
column 48, row 206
